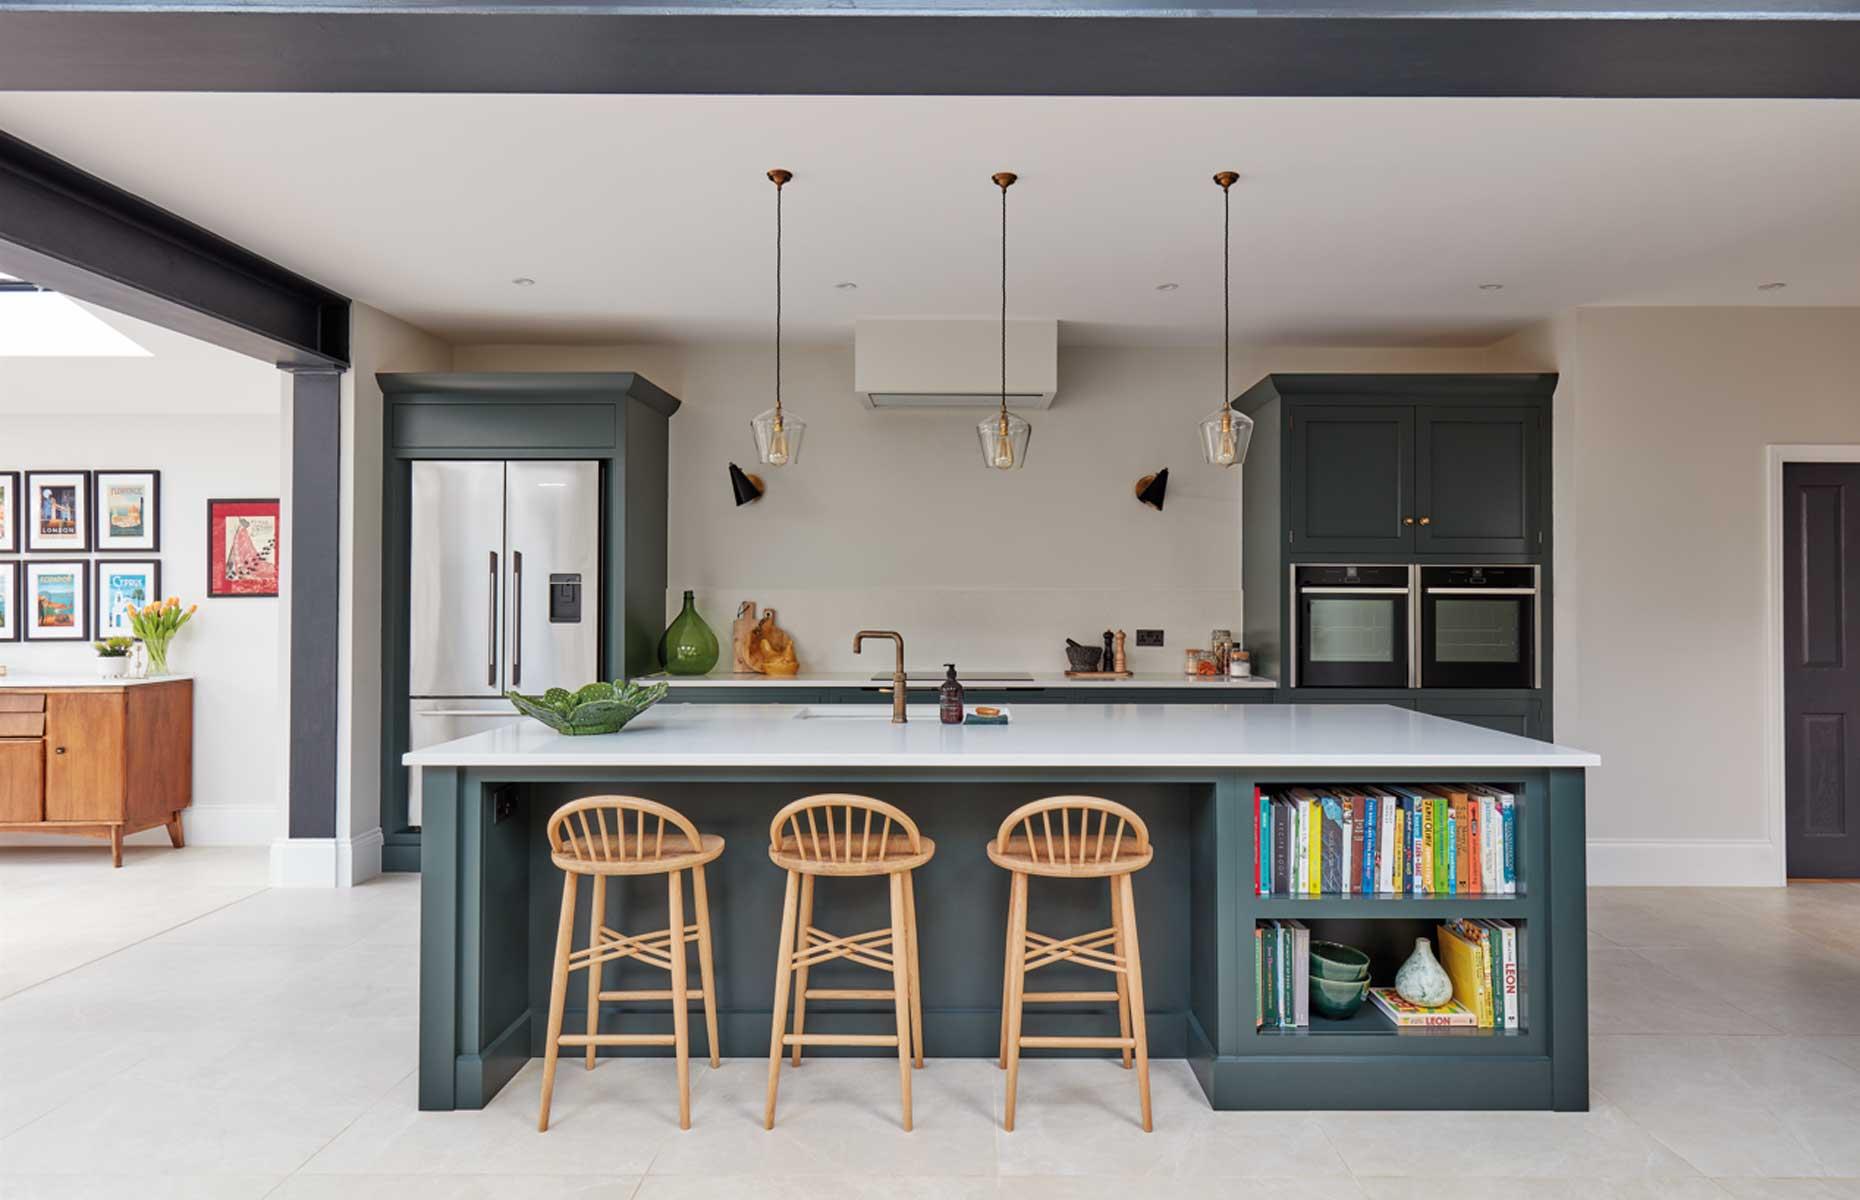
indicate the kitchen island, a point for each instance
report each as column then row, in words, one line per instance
column 490, row 896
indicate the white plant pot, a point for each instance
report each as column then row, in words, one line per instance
column 111, row 668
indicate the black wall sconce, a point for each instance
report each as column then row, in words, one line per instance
column 745, row 487
column 1151, row 488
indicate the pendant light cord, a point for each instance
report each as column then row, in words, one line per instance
column 778, row 304
column 1004, row 188
column 1227, row 316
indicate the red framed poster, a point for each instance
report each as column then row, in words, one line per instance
column 244, row 547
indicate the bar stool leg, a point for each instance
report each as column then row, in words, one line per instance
column 1007, row 975
column 917, row 979
column 1133, row 970
column 784, row 965
column 901, row 988
column 1123, row 989
column 800, row 972
column 558, row 994
column 707, row 972
column 1017, row 980
column 597, row 911
column 681, row 997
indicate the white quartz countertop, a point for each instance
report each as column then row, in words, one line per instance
column 33, row 683
column 1045, row 735
column 863, row 679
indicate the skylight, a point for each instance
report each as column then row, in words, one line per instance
column 41, row 324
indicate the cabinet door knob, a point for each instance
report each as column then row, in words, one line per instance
column 58, row 750
column 1427, row 520
column 1407, row 520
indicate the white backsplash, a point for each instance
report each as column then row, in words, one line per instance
column 1023, row 629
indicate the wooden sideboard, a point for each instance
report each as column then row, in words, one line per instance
column 101, row 761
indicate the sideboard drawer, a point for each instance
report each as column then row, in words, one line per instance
column 22, row 724
column 19, row 702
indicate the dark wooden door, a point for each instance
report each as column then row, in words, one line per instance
column 1475, row 486
column 1821, row 668
column 1352, row 479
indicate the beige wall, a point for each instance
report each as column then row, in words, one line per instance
column 378, row 342
column 1662, row 570
column 890, row 520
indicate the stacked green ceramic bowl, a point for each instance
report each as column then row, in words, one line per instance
column 1339, row 980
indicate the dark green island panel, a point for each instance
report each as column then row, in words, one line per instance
column 490, row 898
column 619, row 419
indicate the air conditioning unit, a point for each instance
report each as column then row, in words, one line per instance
column 921, row 362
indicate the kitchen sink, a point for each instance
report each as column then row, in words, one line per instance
column 864, row 712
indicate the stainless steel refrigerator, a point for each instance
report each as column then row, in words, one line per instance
column 505, row 592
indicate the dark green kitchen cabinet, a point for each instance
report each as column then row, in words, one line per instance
column 1476, row 486
column 1352, row 479
column 1523, row 716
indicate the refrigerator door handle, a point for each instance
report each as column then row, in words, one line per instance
column 491, row 655
column 516, row 624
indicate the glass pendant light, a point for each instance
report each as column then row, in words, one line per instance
column 778, row 434
column 1226, row 434
column 1004, row 436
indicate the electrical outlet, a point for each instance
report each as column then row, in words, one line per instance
column 503, row 804
column 1149, row 637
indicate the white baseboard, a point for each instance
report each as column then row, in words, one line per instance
column 1636, row 862
column 326, row 862
column 232, row 824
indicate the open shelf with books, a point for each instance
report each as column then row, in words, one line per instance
column 1380, row 903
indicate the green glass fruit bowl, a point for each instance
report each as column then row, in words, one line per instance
column 595, row 708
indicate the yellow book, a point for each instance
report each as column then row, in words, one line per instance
column 1466, row 965
column 1314, row 841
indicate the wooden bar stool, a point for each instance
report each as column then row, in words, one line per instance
column 847, row 837
column 1118, row 846
column 590, row 837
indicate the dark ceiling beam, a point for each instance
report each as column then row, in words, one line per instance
column 74, row 233
column 1626, row 48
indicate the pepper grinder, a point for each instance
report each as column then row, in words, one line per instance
column 1110, row 654
column 1121, row 668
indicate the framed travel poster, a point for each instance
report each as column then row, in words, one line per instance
column 9, row 512
column 122, row 582
column 244, row 548
column 57, row 510
column 9, row 602
column 128, row 508
column 56, row 601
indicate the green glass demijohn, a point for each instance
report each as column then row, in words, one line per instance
column 688, row 646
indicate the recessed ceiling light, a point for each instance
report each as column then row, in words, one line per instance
column 1491, row 287
column 1167, row 287
column 1771, row 287
column 524, row 281
column 847, row 286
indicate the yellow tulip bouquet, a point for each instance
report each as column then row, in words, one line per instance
column 156, row 623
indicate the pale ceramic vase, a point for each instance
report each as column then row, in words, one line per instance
column 1422, row 980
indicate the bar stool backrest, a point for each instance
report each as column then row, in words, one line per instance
column 1078, row 840
column 836, row 827
column 581, row 830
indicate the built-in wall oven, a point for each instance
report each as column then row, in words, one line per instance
column 1351, row 625
column 1481, row 627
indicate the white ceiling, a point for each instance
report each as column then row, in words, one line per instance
column 648, row 218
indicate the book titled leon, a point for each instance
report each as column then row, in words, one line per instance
column 1406, row 1014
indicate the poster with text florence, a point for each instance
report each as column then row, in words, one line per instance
column 244, row 547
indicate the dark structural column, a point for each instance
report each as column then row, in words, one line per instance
column 316, row 597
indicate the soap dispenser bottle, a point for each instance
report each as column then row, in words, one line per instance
column 949, row 698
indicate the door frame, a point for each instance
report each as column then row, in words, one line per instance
column 1775, row 761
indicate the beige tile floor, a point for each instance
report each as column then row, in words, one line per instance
column 177, row 1030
